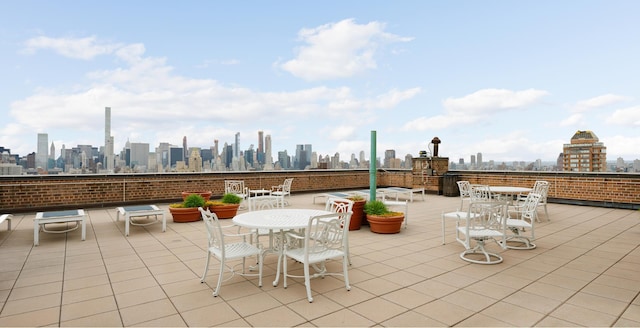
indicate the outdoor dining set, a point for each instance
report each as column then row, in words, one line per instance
column 503, row 214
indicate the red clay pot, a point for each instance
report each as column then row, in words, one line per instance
column 385, row 224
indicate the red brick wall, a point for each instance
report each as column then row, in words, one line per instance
column 31, row 193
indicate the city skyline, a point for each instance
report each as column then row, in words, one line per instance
column 512, row 79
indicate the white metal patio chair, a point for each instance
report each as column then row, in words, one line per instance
column 237, row 187
column 283, row 190
column 541, row 188
column 465, row 189
column 484, row 221
column 324, row 239
column 340, row 205
column 522, row 224
column 225, row 250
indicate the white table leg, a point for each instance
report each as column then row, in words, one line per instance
column 36, row 230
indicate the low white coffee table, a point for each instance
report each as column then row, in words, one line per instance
column 43, row 218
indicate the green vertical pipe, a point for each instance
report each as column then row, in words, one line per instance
column 372, row 168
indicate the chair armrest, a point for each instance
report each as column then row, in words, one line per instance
column 277, row 188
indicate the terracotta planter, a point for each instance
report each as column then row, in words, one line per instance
column 385, row 224
column 358, row 215
column 189, row 214
column 205, row 194
column 226, row 211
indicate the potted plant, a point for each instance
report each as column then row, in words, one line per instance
column 358, row 211
column 226, row 207
column 381, row 220
column 187, row 211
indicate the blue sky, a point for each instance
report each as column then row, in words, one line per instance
column 511, row 79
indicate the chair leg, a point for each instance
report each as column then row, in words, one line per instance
column 220, row 277
column 206, row 267
column 345, row 273
column 307, row 282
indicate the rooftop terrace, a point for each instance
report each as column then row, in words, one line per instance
column 583, row 273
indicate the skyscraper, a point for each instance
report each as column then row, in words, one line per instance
column 109, row 155
column 260, row 153
column 42, row 155
column 186, row 154
column 268, row 160
column 236, row 146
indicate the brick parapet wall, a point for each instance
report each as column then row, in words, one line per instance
column 604, row 189
column 47, row 192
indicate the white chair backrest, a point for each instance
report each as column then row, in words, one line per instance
column 214, row 230
column 234, row 186
column 265, row 202
column 327, row 232
column 338, row 205
column 541, row 188
column 528, row 210
column 464, row 187
column 286, row 186
column 486, row 215
column 479, row 193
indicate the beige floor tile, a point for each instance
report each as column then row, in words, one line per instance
column 403, row 278
column 26, row 281
column 533, row 302
column 622, row 322
column 434, row 288
column 276, row 317
column 444, row 312
column 84, row 294
column 85, row 282
column 253, row 304
column 481, row 320
column 106, row 319
column 513, row 314
column 147, row 311
column 87, row 308
column 140, row 296
column 598, row 303
column 407, row 298
column 194, row 300
column 583, row 316
column 133, row 284
column 321, row 306
column 455, row 279
column 632, row 313
column 379, row 309
column 550, row 321
column 620, row 294
column 342, row 318
column 490, row 289
column 377, row 286
column 26, row 305
column 469, row 300
column 36, row 290
column 34, row 318
column 210, row 316
column 168, row 321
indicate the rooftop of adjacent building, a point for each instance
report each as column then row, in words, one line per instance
column 583, row 273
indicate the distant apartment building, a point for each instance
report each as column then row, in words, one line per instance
column 585, row 153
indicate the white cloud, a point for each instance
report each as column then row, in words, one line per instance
column 493, row 100
column 476, row 107
column 600, row 101
column 625, row 117
column 573, row 120
column 82, row 48
column 146, row 95
column 339, row 50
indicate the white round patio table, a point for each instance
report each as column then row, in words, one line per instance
column 278, row 220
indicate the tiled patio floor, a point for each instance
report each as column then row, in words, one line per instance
column 585, row 272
